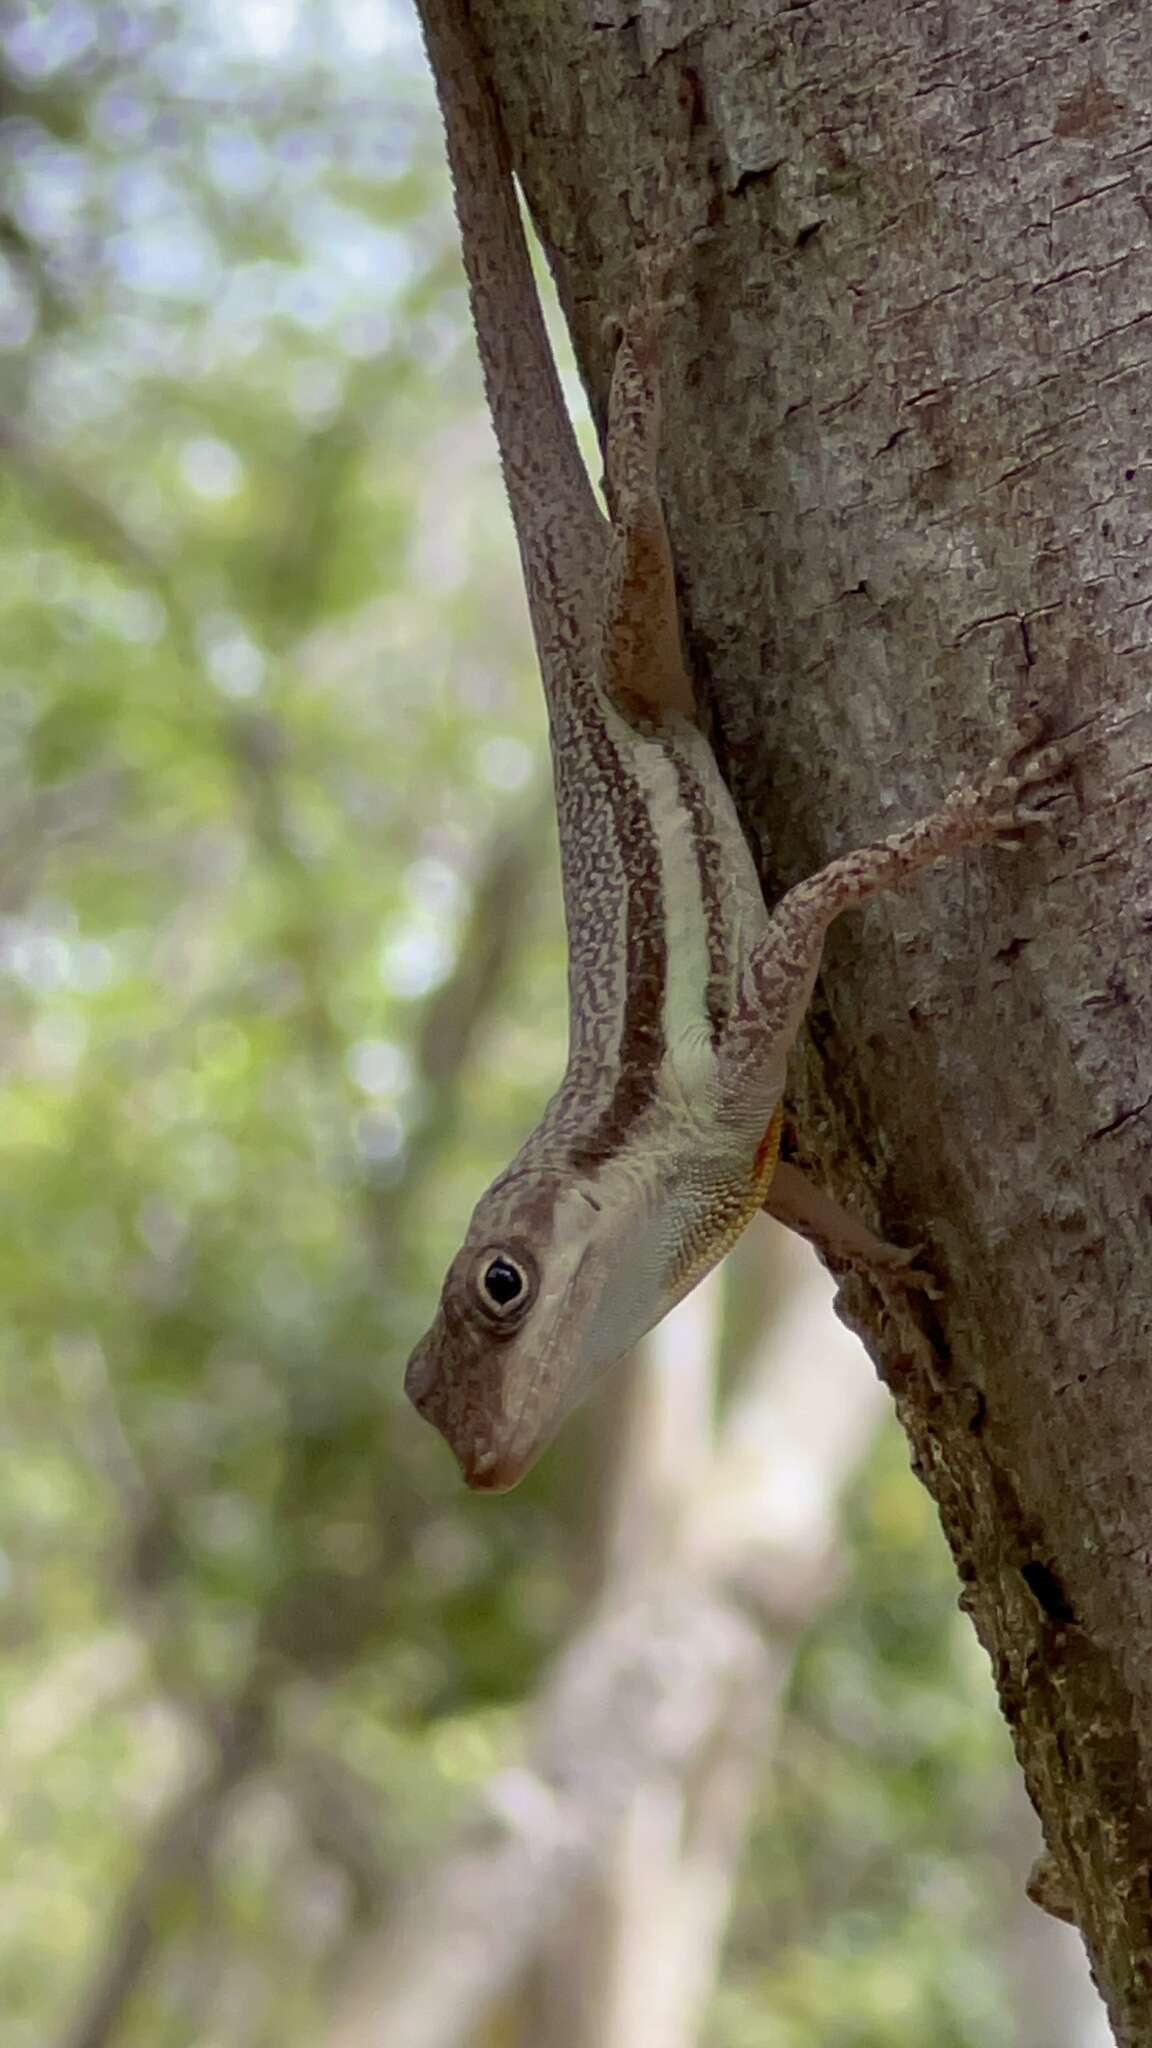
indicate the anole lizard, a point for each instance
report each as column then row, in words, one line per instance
column 685, row 992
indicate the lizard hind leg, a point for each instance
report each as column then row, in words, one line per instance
column 643, row 669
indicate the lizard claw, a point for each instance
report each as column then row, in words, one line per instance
column 1018, row 790
column 899, row 1267
column 1015, row 791
column 651, row 305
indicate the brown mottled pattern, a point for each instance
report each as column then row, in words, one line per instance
column 640, row 1047
column 657, row 1147
column 694, row 797
column 561, row 531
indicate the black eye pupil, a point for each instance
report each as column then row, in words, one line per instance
column 503, row 1283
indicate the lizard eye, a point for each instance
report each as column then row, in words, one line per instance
column 503, row 1284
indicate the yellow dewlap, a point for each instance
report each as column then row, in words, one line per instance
column 730, row 1216
column 767, row 1153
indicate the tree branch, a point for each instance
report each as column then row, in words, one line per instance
column 181, row 1841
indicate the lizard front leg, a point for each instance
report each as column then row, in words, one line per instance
column 783, row 964
column 835, row 1233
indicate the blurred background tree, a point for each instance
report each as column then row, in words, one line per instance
column 287, row 1754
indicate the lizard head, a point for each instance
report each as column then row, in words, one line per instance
column 528, row 1318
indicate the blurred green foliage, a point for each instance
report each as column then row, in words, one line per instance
column 875, row 1893
column 282, row 982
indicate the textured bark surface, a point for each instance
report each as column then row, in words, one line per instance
column 908, row 459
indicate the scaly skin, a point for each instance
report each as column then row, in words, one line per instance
column 685, row 993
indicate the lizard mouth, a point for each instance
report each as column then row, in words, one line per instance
column 496, row 1409
column 489, row 1470
column 494, row 1460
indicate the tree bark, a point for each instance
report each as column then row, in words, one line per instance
column 908, row 390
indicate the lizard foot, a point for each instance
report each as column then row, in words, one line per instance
column 1046, row 1887
column 1015, row 791
column 899, row 1269
column 801, row 1206
column 651, row 304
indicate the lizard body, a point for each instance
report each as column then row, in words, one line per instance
column 685, row 991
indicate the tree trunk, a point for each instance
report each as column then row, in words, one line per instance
column 907, row 462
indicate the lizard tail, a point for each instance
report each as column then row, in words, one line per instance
column 553, row 505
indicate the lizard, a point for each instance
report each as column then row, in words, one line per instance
column 685, row 990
